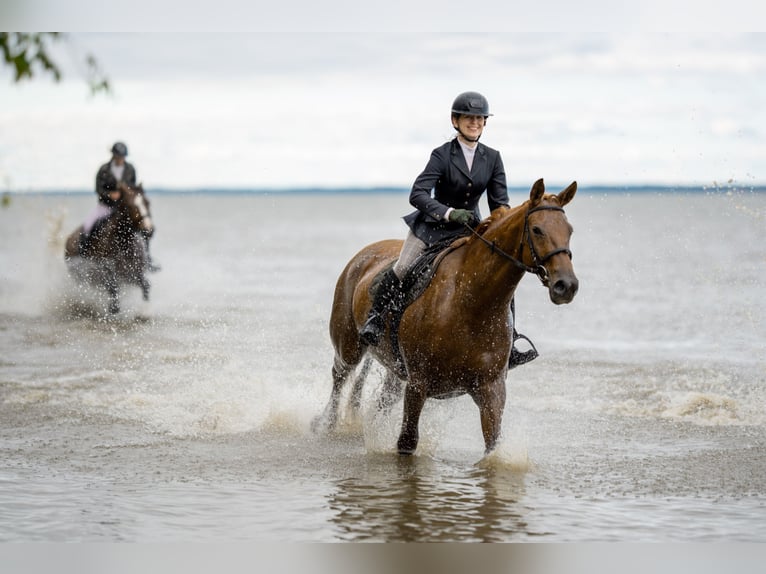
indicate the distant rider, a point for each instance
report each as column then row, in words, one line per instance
column 111, row 179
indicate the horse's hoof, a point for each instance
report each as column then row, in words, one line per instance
column 406, row 447
column 114, row 308
column 321, row 425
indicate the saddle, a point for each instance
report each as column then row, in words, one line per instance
column 413, row 284
column 84, row 246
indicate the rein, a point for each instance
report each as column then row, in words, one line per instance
column 538, row 269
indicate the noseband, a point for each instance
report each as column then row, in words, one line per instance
column 539, row 262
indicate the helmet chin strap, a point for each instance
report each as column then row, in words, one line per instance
column 465, row 137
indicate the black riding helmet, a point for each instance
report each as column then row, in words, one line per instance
column 471, row 104
column 120, row 148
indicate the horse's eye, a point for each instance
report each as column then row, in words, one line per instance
column 537, row 231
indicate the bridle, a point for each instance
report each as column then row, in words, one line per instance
column 138, row 204
column 539, row 262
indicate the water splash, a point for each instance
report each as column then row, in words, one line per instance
column 508, row 455
column 706, row 409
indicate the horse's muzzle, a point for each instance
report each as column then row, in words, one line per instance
column 563, row 290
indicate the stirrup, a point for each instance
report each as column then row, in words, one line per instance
column 521, row 357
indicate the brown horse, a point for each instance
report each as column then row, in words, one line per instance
column 455, row 338
column 115, row 254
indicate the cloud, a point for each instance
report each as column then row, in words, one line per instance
column 308, row 109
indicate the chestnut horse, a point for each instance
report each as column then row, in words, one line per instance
column 455, row 338
column 115, row 254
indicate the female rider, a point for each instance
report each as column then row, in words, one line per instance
column 458, row 173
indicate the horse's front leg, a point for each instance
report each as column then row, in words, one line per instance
column 113, row 289
column 391, row 392
column 490, row 398
column 414, row 399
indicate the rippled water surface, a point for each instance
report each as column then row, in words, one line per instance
column 188, row 418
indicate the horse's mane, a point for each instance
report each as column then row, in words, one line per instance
column 499, row 213
column 503, row 212
column 480, row 229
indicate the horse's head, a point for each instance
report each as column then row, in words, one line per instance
column 546, row 236
column 137, row 207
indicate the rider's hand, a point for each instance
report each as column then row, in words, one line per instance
column 115, row 195
column 462, row 216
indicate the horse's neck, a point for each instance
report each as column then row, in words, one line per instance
column 485, row 277
column 116, row 228
column 506, row 233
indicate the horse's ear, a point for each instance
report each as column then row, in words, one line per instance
column 538, row 190
column 567, row 195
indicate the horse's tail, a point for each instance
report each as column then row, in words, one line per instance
column 74, row 244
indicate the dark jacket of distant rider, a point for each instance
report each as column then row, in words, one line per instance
column 116, row 170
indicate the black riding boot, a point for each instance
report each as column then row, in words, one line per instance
column 387, row 297
column 519, row 357
column 83, row 247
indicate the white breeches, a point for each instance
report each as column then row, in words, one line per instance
column 99, row 212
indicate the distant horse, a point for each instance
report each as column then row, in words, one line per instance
column 115, row 254
column 455, row 338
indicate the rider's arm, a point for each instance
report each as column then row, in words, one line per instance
column 420, row 195
column 101, row 179
column 497, row 189
column 129, row 177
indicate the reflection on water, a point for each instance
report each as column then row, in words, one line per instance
column 415, row 499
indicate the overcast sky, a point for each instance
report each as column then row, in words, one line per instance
column 297, row 109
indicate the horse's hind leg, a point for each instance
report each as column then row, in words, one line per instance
column 113, row 289
column 391, row 392
column 355, row 401
column 329, row 417
column 145, row 288
column 114, row 303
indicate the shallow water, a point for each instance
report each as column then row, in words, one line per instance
column 187, row 418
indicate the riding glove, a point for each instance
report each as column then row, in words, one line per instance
column 462, row 216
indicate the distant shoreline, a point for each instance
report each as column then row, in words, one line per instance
column 597, row 189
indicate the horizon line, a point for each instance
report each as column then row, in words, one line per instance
column 598, row 188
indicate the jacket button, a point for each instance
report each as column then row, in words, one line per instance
column 470, row 184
